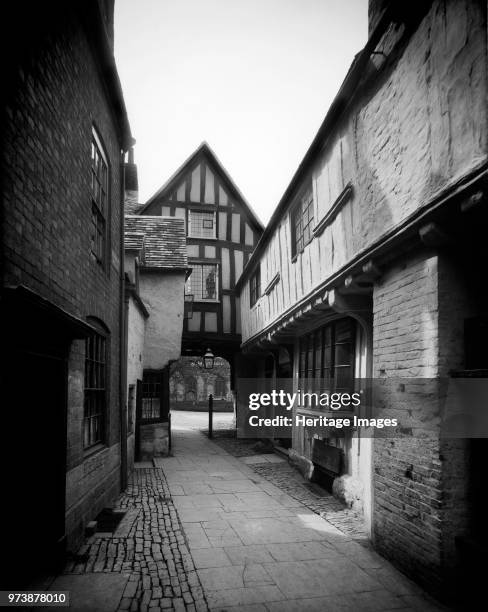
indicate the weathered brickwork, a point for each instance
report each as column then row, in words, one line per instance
column 407, row 470
column 461, row 296
column 421, row 481
column 56, row 96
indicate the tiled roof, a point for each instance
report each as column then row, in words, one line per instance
column 131, row 207
column 133, row 240
column 164, row 240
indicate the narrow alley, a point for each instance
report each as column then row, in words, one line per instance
column 204, row 530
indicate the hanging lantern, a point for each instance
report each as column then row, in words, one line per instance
column 208, row 360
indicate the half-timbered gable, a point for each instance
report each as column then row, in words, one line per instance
column 221, row 231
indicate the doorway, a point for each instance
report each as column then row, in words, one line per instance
column 36, row 392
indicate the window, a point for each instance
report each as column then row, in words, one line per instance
column 326, row 360
column 151, row 396
column 190, row 389
column 201, row 224
column 255, row 286
column 219, row 388
column 203, row 282
column 95, row 389
column 99, row 198
column 301, row 223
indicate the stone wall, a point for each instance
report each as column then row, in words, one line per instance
column 191, row 383
column 154, row 440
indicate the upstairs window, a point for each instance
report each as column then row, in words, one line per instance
column 255, row 286
column 95, row 389
column 201, row 224
column 203, row 282
column 99, row 198
column 302, row 223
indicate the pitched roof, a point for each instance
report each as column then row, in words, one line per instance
column 132, row 208
column 204, row 149
column 164, row 240
column 342, row 101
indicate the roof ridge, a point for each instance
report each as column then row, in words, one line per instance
column 204, row 146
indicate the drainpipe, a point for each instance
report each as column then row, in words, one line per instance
column 123, row 323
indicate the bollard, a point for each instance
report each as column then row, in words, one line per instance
column 210, row 416
column 169, row 432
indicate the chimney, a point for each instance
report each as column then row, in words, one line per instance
column 375, row 10
column 107, row 10
column 131, row 200
column 408, row 14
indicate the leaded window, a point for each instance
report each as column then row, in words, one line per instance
column 201, row 224
column 203, row 282
column 326, row 358
column 302, row 223
column 151, row 396
column 255, row 286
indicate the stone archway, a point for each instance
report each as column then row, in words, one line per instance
column 191, row 384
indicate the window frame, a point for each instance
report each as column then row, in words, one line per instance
column 100, row 208
column 95, row 371
column 220, row 388
column 255, row 287
column 314, row 344
column 190, row 290
column 193, row 211
column 154, row 378
column 301, row 233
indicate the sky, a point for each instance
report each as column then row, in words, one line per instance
column 253, row 78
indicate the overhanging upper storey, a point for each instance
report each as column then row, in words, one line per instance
column 386, row 170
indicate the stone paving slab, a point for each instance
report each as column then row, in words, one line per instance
column 92, row 592
column 285, row 555
column 254, row 546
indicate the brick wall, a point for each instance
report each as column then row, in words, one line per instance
column 407, row 469
column 460, row 297
column 55, row 96
column 421, row 481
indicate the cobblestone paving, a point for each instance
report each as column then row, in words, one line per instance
column 286, row 478
column 290, row 481
column 207, row 531
column 150, row 545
